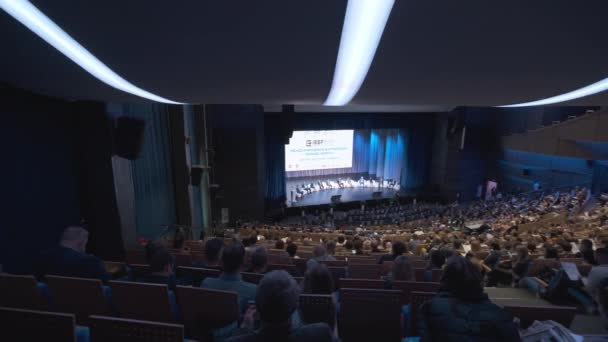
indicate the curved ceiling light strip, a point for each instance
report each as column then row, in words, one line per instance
column 26, row 13
column 364, row 24
column 575, row 94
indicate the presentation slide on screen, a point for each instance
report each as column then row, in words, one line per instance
column 319, row 150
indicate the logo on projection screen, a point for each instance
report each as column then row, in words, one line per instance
column 319, row 150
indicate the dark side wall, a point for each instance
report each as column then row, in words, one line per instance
column 52, row 176
column 237, row 160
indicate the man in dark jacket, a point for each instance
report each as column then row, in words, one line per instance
column 276, row 301
column 461, row 311
column 69, row 258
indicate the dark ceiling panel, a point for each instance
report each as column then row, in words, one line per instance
column 439, row 53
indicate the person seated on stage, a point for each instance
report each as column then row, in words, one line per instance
column 292, row 249
column 461, row 311
column 259, row 260
column 397, row 250
column 321, row 186
column 70, row 259
column 213, row 252
column 361, row 181
column 276, row 301
column 319, row 253
column 230, row 278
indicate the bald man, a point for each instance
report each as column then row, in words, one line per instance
column 69, row 258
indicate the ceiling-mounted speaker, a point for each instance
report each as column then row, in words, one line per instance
column 128, row 137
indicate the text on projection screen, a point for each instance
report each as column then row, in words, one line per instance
column 319, row 150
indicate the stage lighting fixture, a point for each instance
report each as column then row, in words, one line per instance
column 591, row 89
column 30, row 16
column 364, row 23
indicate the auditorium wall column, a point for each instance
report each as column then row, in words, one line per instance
column 179, row 163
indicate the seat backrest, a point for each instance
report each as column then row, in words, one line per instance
column 337, row 273
column 334, row 263
column 136, row 256
column 291, row 269
column 360, row 259
column 142, row 301
column 528, row 314
column 317, row 309
column 204, row 310
column 361, row 309
column 250, row 277
column 387, row 267
column 82, row 297
column 416, row 300
column 21, row 291
column 300, row 265
column 361, row 283
column 419, row 274
column 418, row 263
column 183, row 259
column 138, row 270
column 30, row 325
column 364, row 271
column 197, row 274
column 114, row 329
column 280, row 259
column 407, row 287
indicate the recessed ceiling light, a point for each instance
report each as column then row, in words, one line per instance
column 591, row 89
column 26, row 13
column 364, row 24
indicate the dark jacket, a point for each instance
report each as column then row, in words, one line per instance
column 318, row 332
column 492, row 259
column 447, row 318
column 67, row 262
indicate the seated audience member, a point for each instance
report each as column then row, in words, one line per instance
column 358, row 245
column 292, row 249
column 161, row 268
column 276, row 301
column 586, row 252
column 387, row 246
column 319, row 253
column 493, row 257
column 279, row 244
column 230, row 279
column 330, row 247
column 551, row 253
column 213, row 252
column 348, row 246
column 374, row 246
column 69, row 258
column 398, row 249
column 436, row 261
column 341, row 241
column 401, row 270
column 461, row 311
column 319, row 280
column 598, row 276
column 521, row 265
column 259, row 260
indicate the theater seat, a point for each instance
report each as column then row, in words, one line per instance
column 24, row 292
column 369, row 315
column 83, row 297
column 122, row 330
column 204, row 310
column 317, row 309
column 142, row 301
column 31, row 325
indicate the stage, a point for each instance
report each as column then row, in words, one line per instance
column 348, row 195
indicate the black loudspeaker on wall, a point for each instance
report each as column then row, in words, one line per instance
column 128, row 137
column 196, row 175
column 525, row 172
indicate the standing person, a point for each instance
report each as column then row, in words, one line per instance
column 70, row 259
column 461, row 311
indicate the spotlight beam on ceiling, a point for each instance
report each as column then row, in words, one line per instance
column 575, row 94
column 364, row 24
column 30, row 16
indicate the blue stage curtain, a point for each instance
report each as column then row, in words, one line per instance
column 152, row 171
column 275, row 164
column 417, row 148
column 394, row 154
column 374, row 139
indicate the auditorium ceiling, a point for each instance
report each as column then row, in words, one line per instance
column 433, row 54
